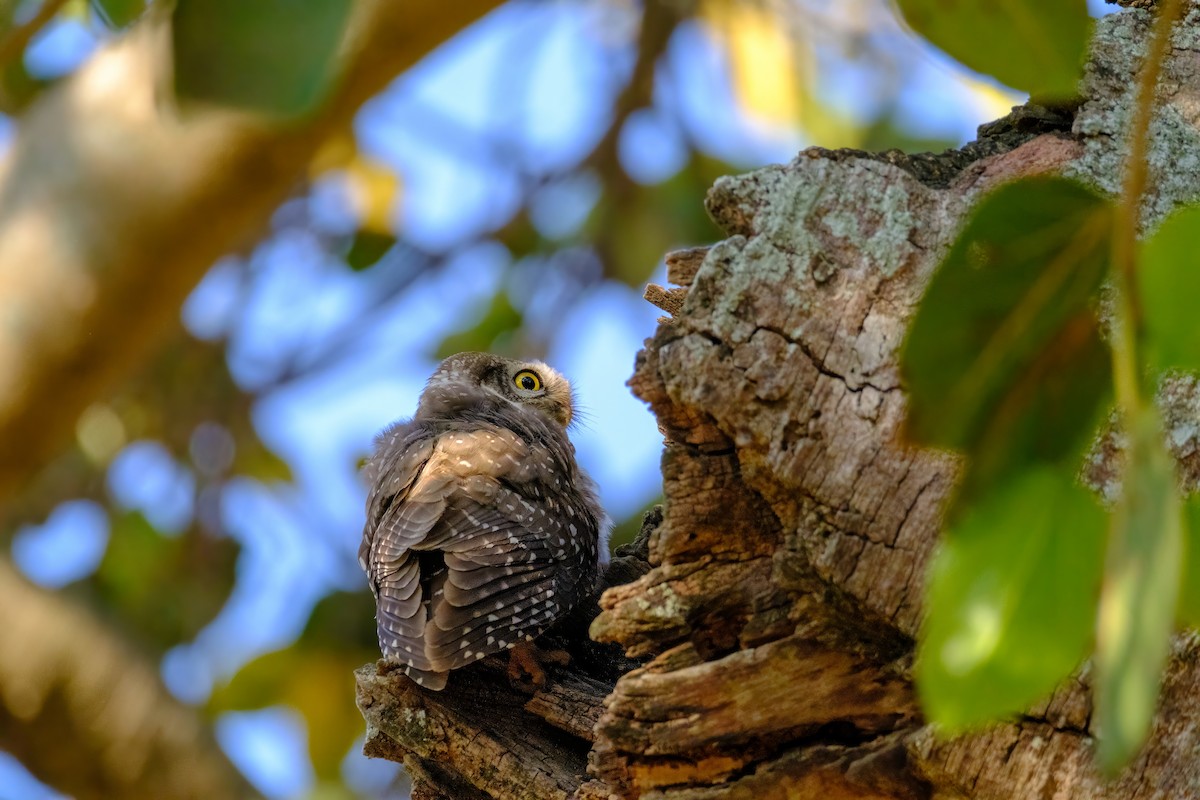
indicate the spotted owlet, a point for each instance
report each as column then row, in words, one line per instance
column 482, row 530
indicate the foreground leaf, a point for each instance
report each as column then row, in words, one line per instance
column 1169, row 278
column 1004, row 359
column 271, row 56
column 1189, row 589
column 1138, row 602
column 1037, row 46
column 1011, row 599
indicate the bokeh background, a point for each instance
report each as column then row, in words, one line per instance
column 513, row 192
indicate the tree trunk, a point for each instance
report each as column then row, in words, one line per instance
column 779, row 614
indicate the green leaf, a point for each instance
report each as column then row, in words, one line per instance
column 1169, row 279
column 1011, row 599
column 272, row 56
column 118, row 13
column 1004, row 359
column 367, row 248
column 1189, row 590
column 1138, row 601
column 1037, row 46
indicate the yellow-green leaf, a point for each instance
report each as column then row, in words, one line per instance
column 1138, row 602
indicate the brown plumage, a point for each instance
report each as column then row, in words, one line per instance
column 481, row 528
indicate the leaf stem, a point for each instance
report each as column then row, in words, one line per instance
column 1127, row 325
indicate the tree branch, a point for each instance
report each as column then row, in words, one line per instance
column 87, row 715
column 112, row 207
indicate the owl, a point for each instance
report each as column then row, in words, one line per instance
column 482, row 530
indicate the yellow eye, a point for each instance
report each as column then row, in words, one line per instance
column 528, row 380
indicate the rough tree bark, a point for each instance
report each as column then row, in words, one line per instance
column 784, row 592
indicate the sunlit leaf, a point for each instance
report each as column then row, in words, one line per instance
column 1036, row 46
column 314, row 676
column 374, row 191
column 1169, row 278
column 271, row 56
column 118, row 13
column 165, row 589
column 1011, row 599
column 1138, row 602
column 762, row 56
column 1004, row 359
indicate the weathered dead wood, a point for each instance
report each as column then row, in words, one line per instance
column 787, row 571
column 504, row 753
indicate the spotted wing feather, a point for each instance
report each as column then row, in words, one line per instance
column 481, row 500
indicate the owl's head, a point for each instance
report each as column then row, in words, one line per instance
column 527, row 383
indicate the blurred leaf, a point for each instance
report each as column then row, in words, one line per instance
column 366, row 248
column 1138, row 601
column 627, row 529
column 1031, row 45
column 271, row 56
column 1169, row 274
column 520, row 236
column 314, row 676
column 633, row 232
column 165, row 589
column 18, row 88
column 1004, row 359
column 344, row 620
column 1189, row 590
column 1011, row 598
column 118, row 13
column 888, row 133
column 255, row 460
column 500, row 318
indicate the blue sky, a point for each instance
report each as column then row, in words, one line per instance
column 299, row 540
